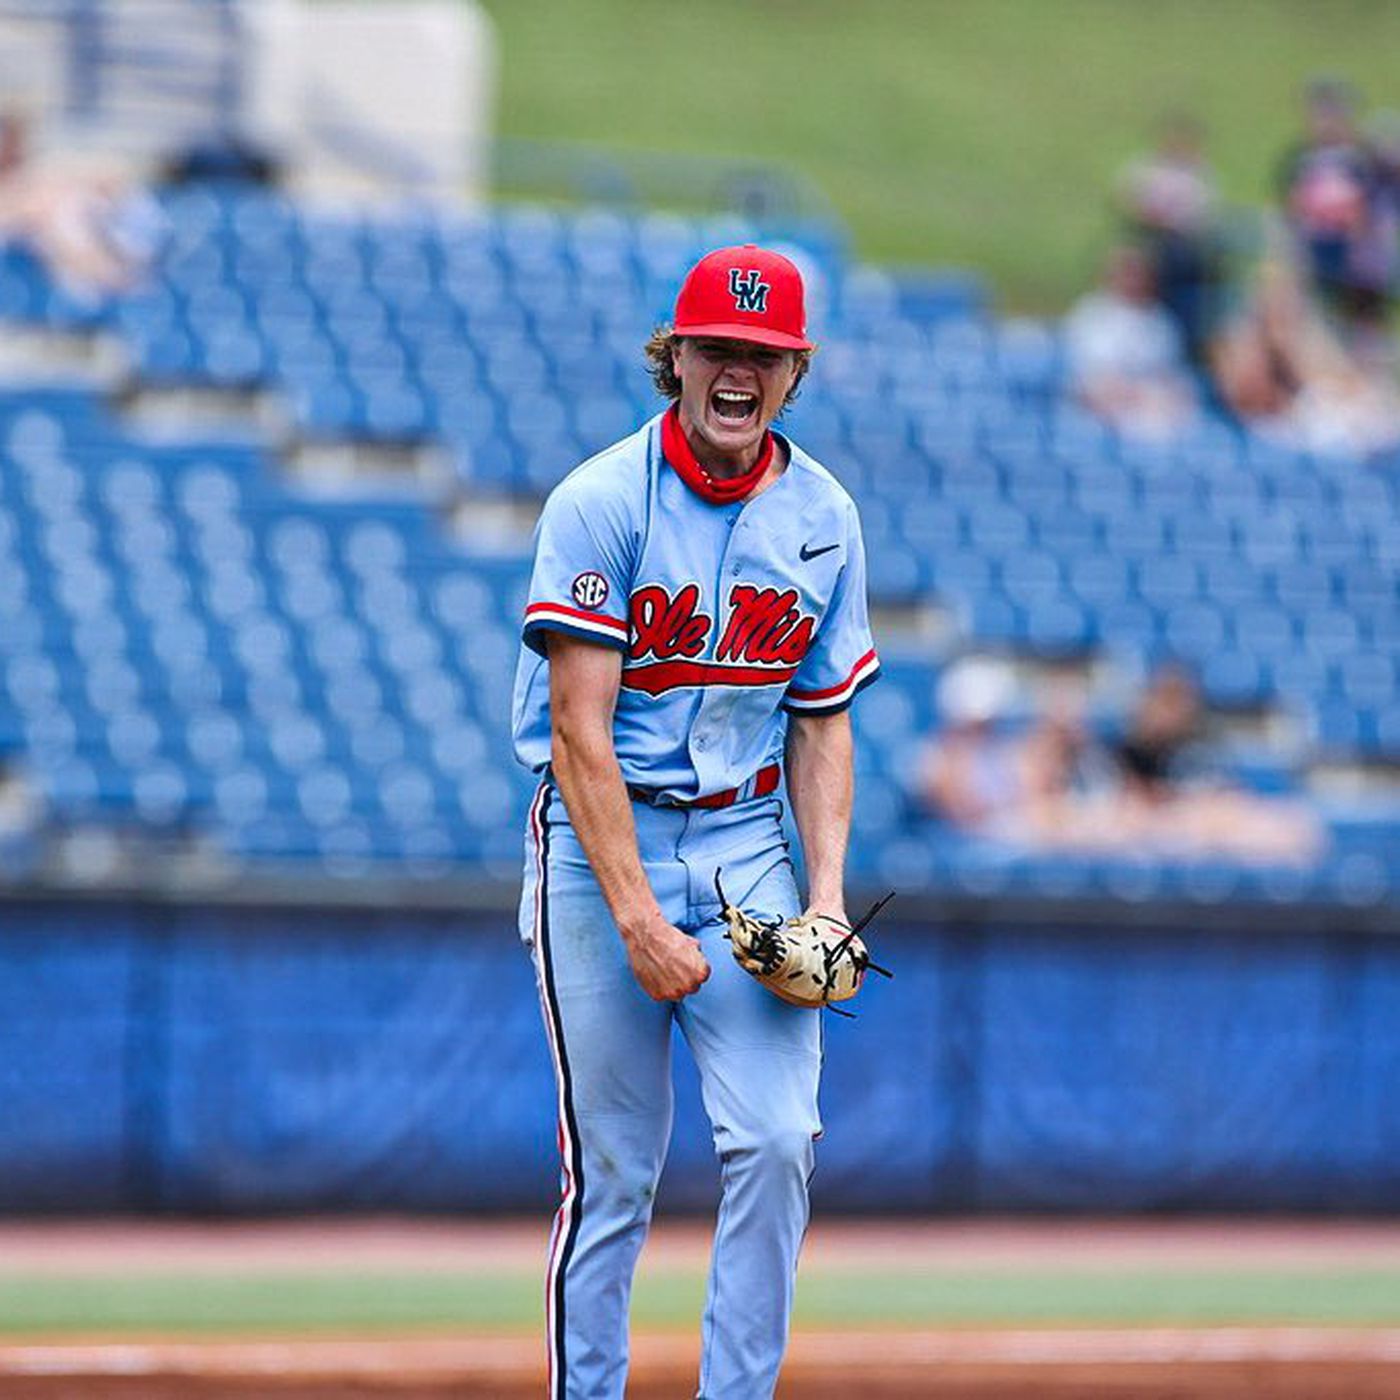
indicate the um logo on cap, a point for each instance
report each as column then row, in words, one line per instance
column 748, row 292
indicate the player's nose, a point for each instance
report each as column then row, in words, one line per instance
column 740, row 377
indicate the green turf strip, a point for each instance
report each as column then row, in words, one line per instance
column 322, row 1302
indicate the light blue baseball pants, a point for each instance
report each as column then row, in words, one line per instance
column 759, row 1061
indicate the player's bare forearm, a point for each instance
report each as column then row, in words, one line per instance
column 583, row 684
column 821, row 786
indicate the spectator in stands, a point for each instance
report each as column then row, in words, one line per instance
column 1331, row 190
column 21, row 819
column 1171, row 802
column 969, row 776
column 1053, row 787
column 93, row 233
column 1281, row 368
column 1382, row 135
column 1383, row 142
column 991, row 782
column 1165, row 726
column 1171, row 204
column 1125, row 354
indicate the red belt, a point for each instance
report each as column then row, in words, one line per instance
column 763, row 784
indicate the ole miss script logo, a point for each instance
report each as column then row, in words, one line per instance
column 765, row 638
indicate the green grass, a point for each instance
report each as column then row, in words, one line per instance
column 296, row 1303
column 282, row 1302
column 981, row 133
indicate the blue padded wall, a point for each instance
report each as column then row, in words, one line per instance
column 352, row 1061
column 68, row 1112
column 236, row 1061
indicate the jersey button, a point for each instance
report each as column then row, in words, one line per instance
column 735, row 570
column 702, row 742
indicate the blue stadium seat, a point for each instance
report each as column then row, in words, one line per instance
column 1057, row 627
column 1166, row 581
column 895, row 574
column 1029, row 576
column 1266, row 630
column 1367, row 679
column 1330, row 632
column 1233, row 679
column 1065, row 531
column 1300, row 677
column 1129, row 626
column 1099, row 580
column 1231, row 582
column 1194, row 631
column 959, row 574
column 1200, row 535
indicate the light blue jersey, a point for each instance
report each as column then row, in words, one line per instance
column 728, row 617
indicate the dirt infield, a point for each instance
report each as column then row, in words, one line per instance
column 1149, row 1364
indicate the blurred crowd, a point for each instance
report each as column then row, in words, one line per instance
column 1144, row 784
column 1294, row 339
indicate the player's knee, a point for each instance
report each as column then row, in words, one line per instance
column 772, row 1149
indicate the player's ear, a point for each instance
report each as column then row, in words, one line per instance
column 676, row 355
column 794, row 371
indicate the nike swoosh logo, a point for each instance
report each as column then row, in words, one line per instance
column 807, row 552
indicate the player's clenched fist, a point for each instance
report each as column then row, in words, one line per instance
column 666, row 962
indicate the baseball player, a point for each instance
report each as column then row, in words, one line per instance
column 696, row 627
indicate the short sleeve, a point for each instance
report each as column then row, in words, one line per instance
column 841, row 661
column 583, row 568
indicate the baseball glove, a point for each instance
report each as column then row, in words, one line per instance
column 809, row 960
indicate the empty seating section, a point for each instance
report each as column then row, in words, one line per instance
column 186, row 646
column 512, row 338
column 188, row 643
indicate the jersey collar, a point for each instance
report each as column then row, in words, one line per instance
column 718, row 491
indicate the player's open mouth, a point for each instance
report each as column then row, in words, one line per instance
column 733, row 405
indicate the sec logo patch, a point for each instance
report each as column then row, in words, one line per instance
column 590, row 590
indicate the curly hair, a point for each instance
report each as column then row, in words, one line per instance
column 661, row 346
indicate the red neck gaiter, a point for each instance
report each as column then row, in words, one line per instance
column 718, row 491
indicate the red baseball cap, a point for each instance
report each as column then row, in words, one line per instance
column 744, row 293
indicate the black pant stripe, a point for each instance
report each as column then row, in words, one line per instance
column 573, row 1145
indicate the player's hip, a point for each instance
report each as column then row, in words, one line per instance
column 681, row 849
column 665, row 832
